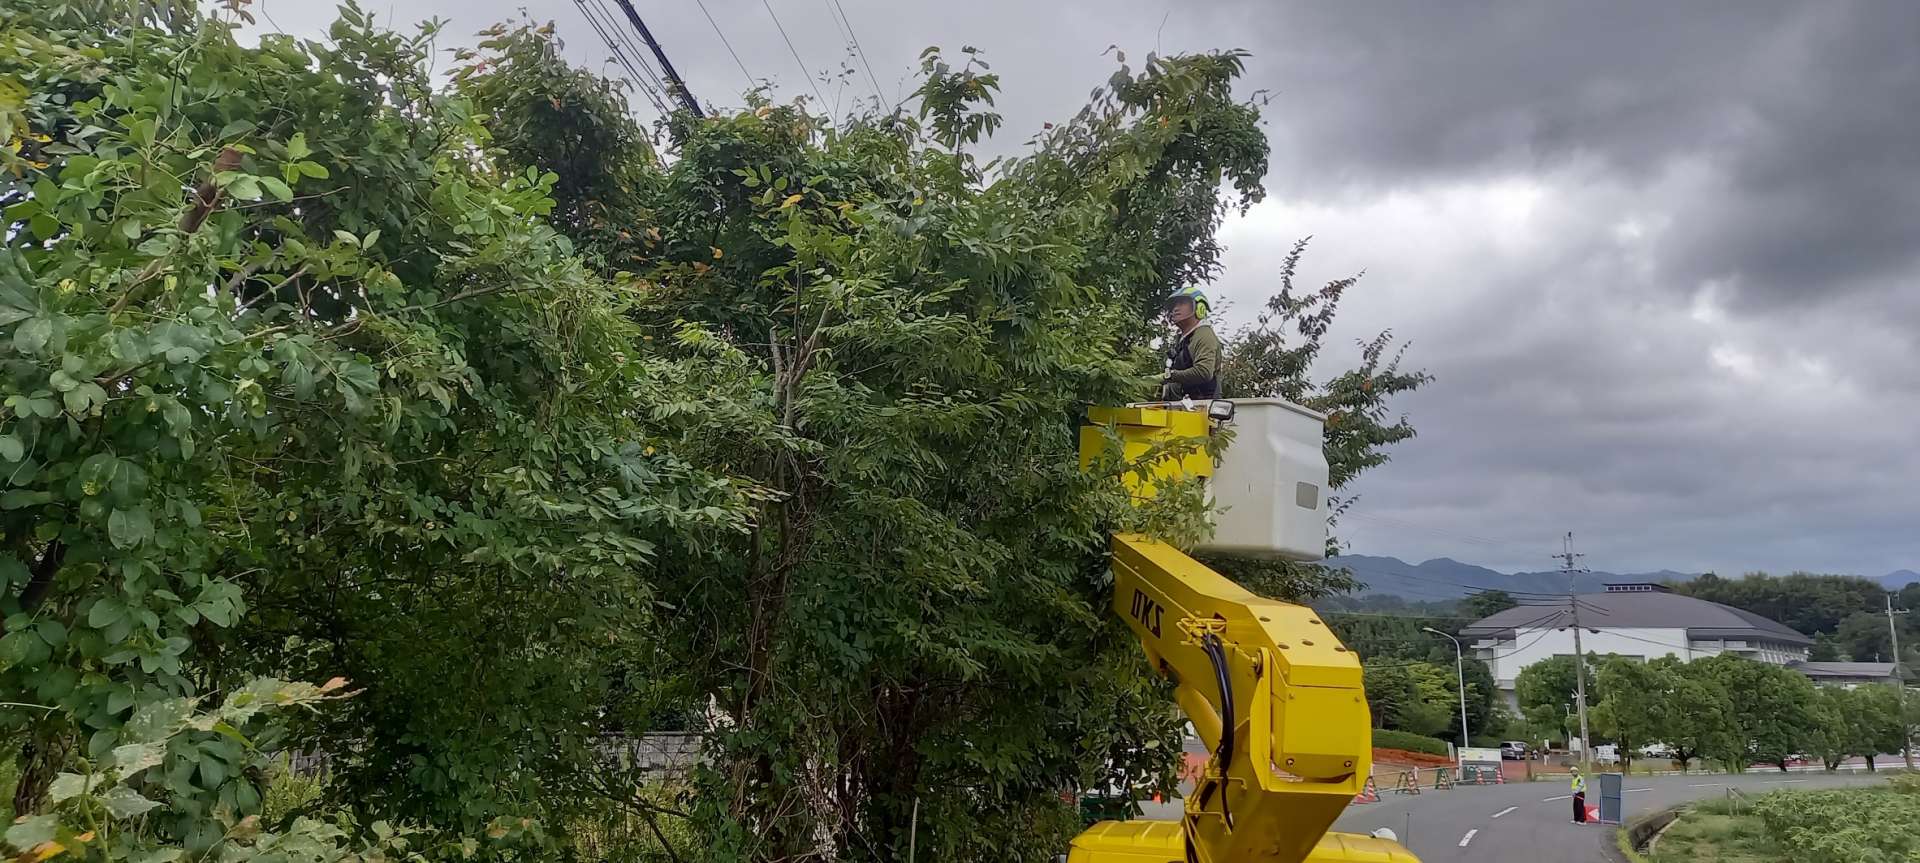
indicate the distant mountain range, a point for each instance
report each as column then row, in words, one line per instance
column 1445, row 578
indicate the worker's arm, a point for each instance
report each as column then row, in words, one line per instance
column 1204, row 346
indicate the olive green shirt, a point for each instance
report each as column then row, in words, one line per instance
column 1201, row 379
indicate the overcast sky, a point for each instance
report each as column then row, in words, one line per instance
column 1661, row 258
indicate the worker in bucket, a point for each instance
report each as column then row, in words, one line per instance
column 1193, row 363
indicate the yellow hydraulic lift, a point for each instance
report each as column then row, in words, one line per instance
column 1274, row 695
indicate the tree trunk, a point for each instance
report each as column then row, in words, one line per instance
column 40, row 759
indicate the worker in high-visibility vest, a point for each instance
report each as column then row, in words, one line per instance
column 1579, row 797
column 1193, row 363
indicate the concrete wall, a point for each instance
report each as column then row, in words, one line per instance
column 1506, row 658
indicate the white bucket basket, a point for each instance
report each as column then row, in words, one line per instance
column 1272, row 483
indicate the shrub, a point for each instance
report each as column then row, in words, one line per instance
column 1410, row 742
column 1843, row 826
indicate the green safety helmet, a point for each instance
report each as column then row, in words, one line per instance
column 1198, row 297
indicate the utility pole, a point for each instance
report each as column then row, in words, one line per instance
column 1570, row 564
column 1900, row 683
column 674, row 80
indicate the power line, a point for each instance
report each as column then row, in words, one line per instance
column 796, row 53
column 847, row 24
column 679, row 85
column 619, row 47
column 723, row 40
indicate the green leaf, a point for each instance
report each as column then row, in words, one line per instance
column 129, row 527
column 98, row 471
column 105, row 612
column 32, row 335
column 297, row 146
column 277, row 188
column 246, row 187
column 15, row 647
column 213, row 772
column 13, row 572
column 124, row 803
column 31, row 832
column 135, row 757
column 70, row 785
column 79, row 400
column 21, row 498
column 11, row 449
column 346, row 237
column 155, row 721
column 314, row 170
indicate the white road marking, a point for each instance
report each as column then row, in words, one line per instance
column 1783, row 781
column 1710, row 785
column 1467, row 838
column 1504, row 811
column 1557, row 799
column 1635, row 790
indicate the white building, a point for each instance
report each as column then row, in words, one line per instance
column 1638, row 621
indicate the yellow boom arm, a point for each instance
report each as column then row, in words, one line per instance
column 1275, row 697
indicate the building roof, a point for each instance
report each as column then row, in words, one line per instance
column 1643, row 610
column 1863, row 670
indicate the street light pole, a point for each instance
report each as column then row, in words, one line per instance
column 1460, row 673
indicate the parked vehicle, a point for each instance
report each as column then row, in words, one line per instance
column 1515, row 750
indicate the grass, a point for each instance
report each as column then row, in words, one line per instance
column 1717, row 831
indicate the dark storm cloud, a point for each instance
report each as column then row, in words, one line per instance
column 1804, row 118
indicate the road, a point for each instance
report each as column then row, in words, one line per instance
column 1529, row 822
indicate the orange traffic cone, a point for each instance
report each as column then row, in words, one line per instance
column 1370, row 794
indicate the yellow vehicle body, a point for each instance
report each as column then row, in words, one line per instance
column 1269, row 688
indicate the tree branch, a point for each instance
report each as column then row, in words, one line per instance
column 206, row 197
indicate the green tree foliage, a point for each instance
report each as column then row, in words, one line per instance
column 1807, row 602
column 1413, row 697
column 1632, row 711
column 1697, row 714
column 1771, row 706
column 295, row 384
column 1550, row 683
column 1488, row 603
column 1860, row 722
column 1864, row 637
column 1398, row 640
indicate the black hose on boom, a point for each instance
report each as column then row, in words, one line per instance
column 1224, row 752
